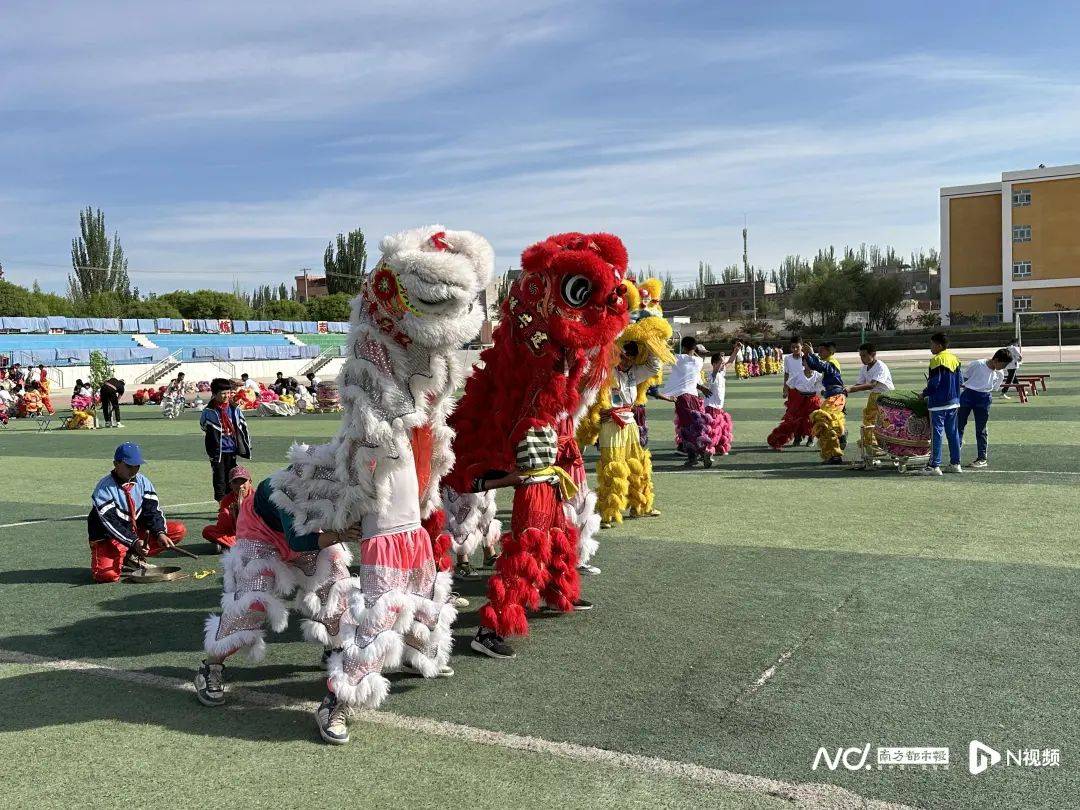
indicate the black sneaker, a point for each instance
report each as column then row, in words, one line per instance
column 332, row 717
column 488, row 642
column 210, row 684
column 809, row 441
column 691, row 459
column 583, row 604
column 489, row 558
column 843, row 442
column 464, row 570
column 706, row 461
column 835, row 460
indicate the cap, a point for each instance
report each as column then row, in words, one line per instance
column 239, row 472
column 129, row 453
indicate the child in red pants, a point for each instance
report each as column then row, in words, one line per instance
column 126, row 517
column 223, row 533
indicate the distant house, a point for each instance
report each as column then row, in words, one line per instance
column 308, row 286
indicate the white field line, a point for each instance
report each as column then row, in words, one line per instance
column 802, row 795
column 83, row 514
column 752, row 470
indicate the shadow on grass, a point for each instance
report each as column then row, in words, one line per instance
column 40, row 576
column 36, row 694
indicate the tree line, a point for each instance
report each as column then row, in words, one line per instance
column 825, row 289
column 100, row 286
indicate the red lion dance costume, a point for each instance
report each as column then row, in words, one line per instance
column 562, row 315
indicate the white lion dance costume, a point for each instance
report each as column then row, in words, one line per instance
column 624, row 472
column 380, row 474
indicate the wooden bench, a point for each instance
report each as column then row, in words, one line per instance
column 1021, row 389
column 1034, row 379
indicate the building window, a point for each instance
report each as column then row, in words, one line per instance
column 1000, row 307
column 1022, row 303
column 920, row 286
column 1021, row 198
column 1021, row 269
column 1021, row 233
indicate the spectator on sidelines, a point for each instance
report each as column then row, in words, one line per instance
column 111, row 391
column 125, row 521
column 226, row 434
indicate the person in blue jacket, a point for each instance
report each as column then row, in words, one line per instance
column 942, row 395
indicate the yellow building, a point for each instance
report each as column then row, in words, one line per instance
column 1012, row 246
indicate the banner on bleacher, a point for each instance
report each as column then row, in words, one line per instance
column 323, row 327
column 225, row 325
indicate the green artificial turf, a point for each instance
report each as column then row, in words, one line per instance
column 915, row 611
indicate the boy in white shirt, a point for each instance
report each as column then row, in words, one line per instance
column 875, row 377
column 681, row 387
column 802, row 393
column 980, row 379
column 720, row 426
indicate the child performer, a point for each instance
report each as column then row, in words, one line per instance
column 681, row 387
column 981, row 378
column 827, row 422
column 226, row 434
column 125, row 518
column 223, row 533
column 801, row 392
column 720, row 428
column 875, row 377
column 624, row 473
column 942, row 395
column 43, row 389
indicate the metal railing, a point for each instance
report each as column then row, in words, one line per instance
column 159, row 370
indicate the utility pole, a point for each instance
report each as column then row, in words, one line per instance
column 746, row 269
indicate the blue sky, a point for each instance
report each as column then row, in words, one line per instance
column 233, row 140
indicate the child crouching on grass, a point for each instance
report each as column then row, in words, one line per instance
column 981, row 378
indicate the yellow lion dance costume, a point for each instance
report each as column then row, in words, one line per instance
column 624, row 472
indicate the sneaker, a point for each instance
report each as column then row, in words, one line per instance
column 583, row 604
column 835, row 460
column 458, row 601
column 930, row 471
column 585, row 568
column 980, row 464
column 445, row 671
column 332, row 717
column 489, row 558
column 488, row 642
column 1005, row 396
column 464, row 570
column 604, row 524
column 118, row 425
column 954, row 468
column 809, row 441
column 210, row 684
column 706, row 461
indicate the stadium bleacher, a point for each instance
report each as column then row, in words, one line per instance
column 27, row 340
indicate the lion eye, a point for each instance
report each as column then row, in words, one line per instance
column 576, row 290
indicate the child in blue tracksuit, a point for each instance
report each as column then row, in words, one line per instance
column 981, row 379
column 942, row 395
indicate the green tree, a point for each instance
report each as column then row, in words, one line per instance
column 153, row 308
column 98, row 262
column 100, row 369
column 336, row 307
column 212, row 304
column 730, row 274
column 18, row 302
column 345, row 262
column 99, row 305
column 882, row 297
column 284, row 311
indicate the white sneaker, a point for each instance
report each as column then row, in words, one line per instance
column 954, row 468
column 118, row 425
column 460, row 602
column 979, row 464
column 1005, row 396
column 585, row 568
column 930, row 471
column 445, row 671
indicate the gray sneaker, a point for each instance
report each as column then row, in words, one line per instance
column 930, row 471
column 332, row 717
column 210, row 684
column 979, row 464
